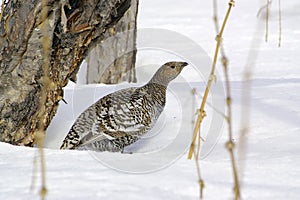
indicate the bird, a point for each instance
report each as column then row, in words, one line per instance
column 120, row 118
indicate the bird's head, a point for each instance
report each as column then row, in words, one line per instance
column 167, row 72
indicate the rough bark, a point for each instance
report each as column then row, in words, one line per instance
column 73, row 28
column 119, row 49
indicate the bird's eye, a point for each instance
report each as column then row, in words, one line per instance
column 173, row 67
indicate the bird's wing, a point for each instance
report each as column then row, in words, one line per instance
column 97, row 132
column 90, row 138
column 123, row 111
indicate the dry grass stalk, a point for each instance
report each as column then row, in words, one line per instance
column 279, row 20
column 267, row 20
column 40, row 132
column 230, row 144
column 200, row 180
column 228, row 117
column 212, row 78
column 202, row 114
column 267, row 7
column 40, row 142
column 196, row 154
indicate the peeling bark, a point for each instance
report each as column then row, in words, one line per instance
column 74, row 28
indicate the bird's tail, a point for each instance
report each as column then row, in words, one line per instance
column 71, row 141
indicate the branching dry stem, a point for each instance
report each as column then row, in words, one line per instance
column 202, row 113
column 212, row 78
column 229, row 144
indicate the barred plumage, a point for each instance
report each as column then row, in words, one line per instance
column 121, row 118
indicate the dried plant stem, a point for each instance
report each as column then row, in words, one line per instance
column 279, row 13
column 198, row 146
column 40, row 142
column 267, row 21
column 200, row 180
column 228, row 117
column 202, row 113
column 230, row 144
column 45, row 81
column 216, row 23
column 212, row 77
column 196, row 154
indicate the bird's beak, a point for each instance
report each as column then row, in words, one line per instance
column 183, row 64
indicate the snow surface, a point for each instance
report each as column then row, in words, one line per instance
column 270, row 169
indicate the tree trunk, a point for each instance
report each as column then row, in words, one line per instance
column 119, row 49
column 72, row 28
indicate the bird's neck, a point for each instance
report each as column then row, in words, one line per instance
column 157, row 92
column 158, row 86
column 159, row 80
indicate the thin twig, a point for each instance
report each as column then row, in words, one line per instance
column 216, row 23
column 230, row 144
column 40, row 142
column 279, row 13
column 40, row 133
column 267, row 21
column 200, row 180
column 221, row 113
column 228, row 118
column 212, row 77
column 202, row 113
column 198, row 146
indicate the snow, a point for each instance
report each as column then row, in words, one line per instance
column 270, row 168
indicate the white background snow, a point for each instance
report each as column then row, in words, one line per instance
column 271, row 165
